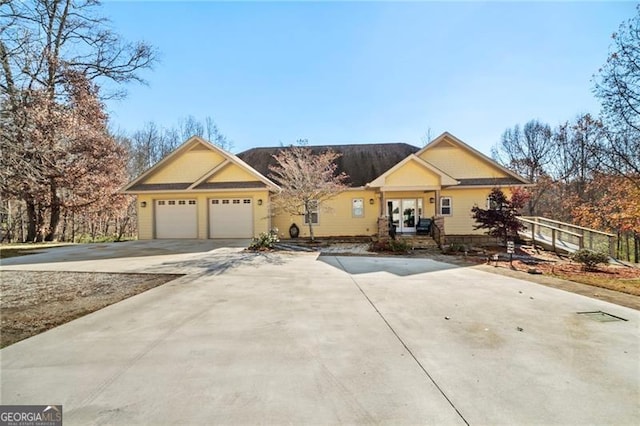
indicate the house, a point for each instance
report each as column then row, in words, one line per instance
column 202, row 191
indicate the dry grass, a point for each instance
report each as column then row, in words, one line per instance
column 620, row 278
column 606, row 277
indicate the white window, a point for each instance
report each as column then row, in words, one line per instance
column 172, row 202
column 182, row 202
column 225, row 201
column 192, row 202
column 246, row 201
column 215, row 201
column 357, row 207
column 445, row 206
column 236, row 201
column 492, row 204
column 161, row 203
column 313, row 213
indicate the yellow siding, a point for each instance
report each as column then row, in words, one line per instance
column 187, row 167
column 412, row 174
column 462, row 201
column 145, row 217
column 261, row 219
column 459, row 163
column 336, row 217
column 232, row 173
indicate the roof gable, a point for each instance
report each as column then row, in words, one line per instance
column 231, row 173
column 186, row 167
column 193, row 163
column 413, row 172
column 465, row 163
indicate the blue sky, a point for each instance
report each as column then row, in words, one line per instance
column 365, row 72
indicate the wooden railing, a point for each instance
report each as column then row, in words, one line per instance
column 566, row 236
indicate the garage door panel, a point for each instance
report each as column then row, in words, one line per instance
column 230, row 218
column 176, row 219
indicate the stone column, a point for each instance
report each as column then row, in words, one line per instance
column 383, row 227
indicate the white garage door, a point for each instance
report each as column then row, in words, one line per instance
column 230, row 218
column 176, row 219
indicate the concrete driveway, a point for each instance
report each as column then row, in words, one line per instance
column 299, row 339
column 169, row 256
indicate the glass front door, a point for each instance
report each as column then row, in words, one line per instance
column 408, row 215
column 404, row 213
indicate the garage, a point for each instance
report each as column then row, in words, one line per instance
column 230, row 218
column 176, row 218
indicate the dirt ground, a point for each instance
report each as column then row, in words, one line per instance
column 33, row 302
column 613, row 283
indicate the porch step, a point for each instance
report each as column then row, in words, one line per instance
column 418, row 241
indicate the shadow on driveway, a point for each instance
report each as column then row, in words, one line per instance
column 127, row 249
column 219, row 262
column 400, row 266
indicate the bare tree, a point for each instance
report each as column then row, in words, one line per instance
column 306, row 181
column 207, row 129
column 146, row 147
column 42, row 44
column 621, row 154
column 579, row 143
column 528, row 151
column 214, row 135
column 190, row 126
column 42, row 38
column 617, row 84
column 618, row 81
column 426, row 137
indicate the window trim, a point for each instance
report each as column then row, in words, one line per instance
column 450, row 206
column 492, row 205
column 353, row 208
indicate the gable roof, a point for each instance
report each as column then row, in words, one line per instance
column 363, row 163
column 445, row 179
column 138, row 184
column 513, row 179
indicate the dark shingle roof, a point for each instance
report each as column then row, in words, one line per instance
column 204, row 185
column 363, row 163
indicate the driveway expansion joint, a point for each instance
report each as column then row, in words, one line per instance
column 402, row 342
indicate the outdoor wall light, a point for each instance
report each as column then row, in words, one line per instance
column 371, row 201
column 143, row 204
column 260, row 201
column 432, row 200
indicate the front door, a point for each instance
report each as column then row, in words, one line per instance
column 409, row 215
column 404, row 213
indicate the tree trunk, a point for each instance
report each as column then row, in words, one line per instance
column 32, row 221
column 628, row 248
column 619, row 245
column 122, row 225
column 73, row 227
column 307, row 215
column 56, row 205
column 65, row 222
